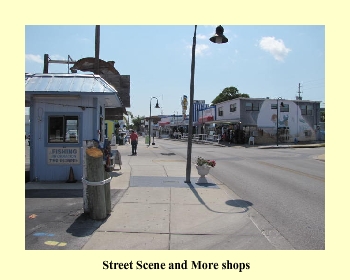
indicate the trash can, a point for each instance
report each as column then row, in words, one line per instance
column 146, row 139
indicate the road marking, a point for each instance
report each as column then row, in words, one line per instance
column 292, row 171
column 43, row 234
column 55, row 243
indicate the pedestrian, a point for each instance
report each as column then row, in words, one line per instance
column 134, row 140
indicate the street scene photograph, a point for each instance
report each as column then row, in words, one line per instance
column 175, row 137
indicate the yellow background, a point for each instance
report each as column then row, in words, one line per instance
column 330, row 263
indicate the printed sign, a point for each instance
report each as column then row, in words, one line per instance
column 63, row 156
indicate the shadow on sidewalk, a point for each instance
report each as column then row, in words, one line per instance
column 54, row 193
column 238, row 203
column 84, row 225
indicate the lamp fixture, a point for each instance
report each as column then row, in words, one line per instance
column 219, row 37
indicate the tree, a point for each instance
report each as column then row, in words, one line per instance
column 137, row 123
column 322, row 115
column 228, row 94
column 126, row 119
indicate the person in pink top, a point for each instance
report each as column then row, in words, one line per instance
column 134, row 140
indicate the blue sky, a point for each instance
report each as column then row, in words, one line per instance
column 260, row 60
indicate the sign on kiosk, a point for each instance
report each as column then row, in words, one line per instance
column 63, row 156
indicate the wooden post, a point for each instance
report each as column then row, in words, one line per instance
column 107, row 188
column 46, row 64
column 97, row 50
column 95, row 173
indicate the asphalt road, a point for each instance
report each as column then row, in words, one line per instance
column 286, row 186
column 55, row 219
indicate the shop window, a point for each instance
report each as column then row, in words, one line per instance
column 233, row 107
column 252, row 106
column 221, row 111
column 63, row 129
column 306, row 110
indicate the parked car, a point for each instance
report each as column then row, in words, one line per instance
column 72, row 135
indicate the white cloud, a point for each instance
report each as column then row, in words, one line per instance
column 201, row 49
column 275, row 47
column 201, row 37
column 57, row 57
column 34, row 57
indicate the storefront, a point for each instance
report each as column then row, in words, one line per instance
column 66, row 110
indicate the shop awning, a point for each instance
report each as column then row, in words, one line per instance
column 233, row 121
column 205, row 119
column 162, row 124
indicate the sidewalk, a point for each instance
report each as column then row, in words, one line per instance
column 158, row 211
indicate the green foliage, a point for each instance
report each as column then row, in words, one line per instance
column 228, row 94
column 323, row 116
column 136, row 123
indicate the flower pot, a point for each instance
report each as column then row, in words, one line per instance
column 202, row 171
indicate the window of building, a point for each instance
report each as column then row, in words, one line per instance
column 284, row 108
column 251, row 106
column 306, row 110
column 63, row 129
column 233, row 107
column 221, row 111
column 307, row 133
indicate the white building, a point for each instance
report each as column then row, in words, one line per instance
column 260, row 117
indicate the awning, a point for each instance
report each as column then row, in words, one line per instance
column 205, row 119
column 162, row 124
column 233, row 121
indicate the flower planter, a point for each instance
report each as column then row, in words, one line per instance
column 202, row 171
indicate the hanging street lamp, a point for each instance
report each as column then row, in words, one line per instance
column 149, row 121
column 217, row 38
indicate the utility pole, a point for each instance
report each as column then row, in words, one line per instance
column 97, row 50
column 299, row 98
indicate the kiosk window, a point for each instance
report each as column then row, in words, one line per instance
column 63, row 129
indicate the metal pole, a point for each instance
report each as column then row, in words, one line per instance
column 149, row 124
column 277, row 123
column 190, row 121
column 149, row 121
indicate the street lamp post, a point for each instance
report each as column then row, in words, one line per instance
column 149, row 121
column 277, row 118
column 218, row 38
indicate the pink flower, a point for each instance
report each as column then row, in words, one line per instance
column 201, row 161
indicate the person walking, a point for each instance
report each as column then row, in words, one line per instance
column 134, row 139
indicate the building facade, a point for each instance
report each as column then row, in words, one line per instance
column 296, row 120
